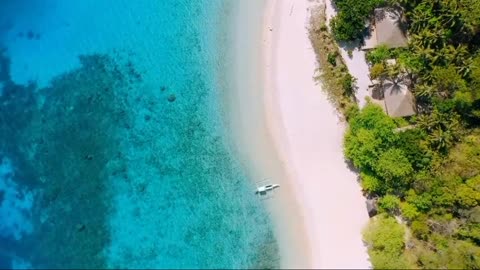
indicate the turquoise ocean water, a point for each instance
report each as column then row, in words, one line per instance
column 113, row 148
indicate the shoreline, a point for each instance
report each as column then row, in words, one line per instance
column 308, row 135
column 285, row 128
column 252, row 140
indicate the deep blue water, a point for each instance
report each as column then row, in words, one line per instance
column 113, row 151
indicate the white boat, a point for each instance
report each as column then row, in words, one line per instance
column 266, row 188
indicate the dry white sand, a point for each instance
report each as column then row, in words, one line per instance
column 308, row 136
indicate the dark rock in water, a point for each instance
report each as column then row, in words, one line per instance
column 136, row 212
column 141, row 187
column 371, row 207
column 163, row 88
column 2, row 196
column 30, row 34
column 147, row 117
column 172, row 98
column 89, row 157
column 80, row 227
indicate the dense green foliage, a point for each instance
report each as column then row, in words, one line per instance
column 349, row 24
column 428, row 174
column 378, row 151
column 386, row 240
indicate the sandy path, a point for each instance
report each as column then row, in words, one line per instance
column 308, row 135
column 357, row 66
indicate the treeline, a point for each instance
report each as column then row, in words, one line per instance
column 426, row 177
column 349, row 24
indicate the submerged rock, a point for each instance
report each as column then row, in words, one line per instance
column 80, row 227
column 30, row 35
column 172, row 98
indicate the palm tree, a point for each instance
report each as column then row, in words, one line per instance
column 428, row 122
column 443, row 129
column 424, row 91
column 421, row 17
column 440, row 140
column 426, row 55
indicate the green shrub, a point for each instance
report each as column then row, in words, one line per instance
column 409, row 211
column 367, row 143
column 389, row 203
column 349, row 24
column 467, row 197
column 392, row 164
column 380, row 260
column 362, row 147
column 345, row 30
column 471, row 231
column 323, row 27
column 377, row 71
column 474, row 183
column 332, row 59
column 411, row 142
column 351, row 110
column 371, row 183
column 384, row 233
column 385, row 238
column 420, row 229
column 350, row 53
column 422, row 202
column 348, row 84
column 378, row 55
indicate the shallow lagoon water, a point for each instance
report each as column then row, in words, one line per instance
column 112, row 143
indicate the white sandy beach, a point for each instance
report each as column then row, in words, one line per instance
column 285, row 129
column 308, row 135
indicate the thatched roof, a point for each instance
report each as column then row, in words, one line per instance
column 398, row 99
column 388, row 28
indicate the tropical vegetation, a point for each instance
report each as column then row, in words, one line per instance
column 350, row 22
column 425, row 178
column 334, row 74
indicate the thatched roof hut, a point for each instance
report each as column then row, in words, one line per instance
column 387, row 29
column 399, row 100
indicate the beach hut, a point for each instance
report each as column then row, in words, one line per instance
column 399, row 101
column 387, row 29
column 392, row 93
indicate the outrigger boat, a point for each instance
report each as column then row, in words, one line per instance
column 266, row 188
